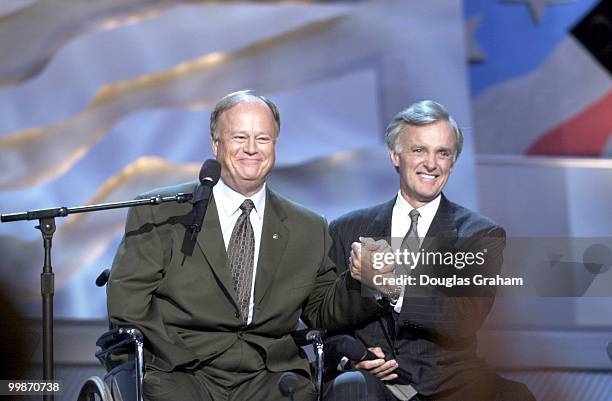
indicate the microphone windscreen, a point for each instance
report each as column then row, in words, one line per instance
column 347, row 346
column 287, row 384
column 103, row 278
column 210, row 171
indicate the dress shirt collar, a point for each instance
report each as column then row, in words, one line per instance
column 229, row 201
column 427, row 212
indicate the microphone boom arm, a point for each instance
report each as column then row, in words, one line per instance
column 62, row 211
column 46, row 225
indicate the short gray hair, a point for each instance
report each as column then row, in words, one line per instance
column 418, row 114
column 234, row 98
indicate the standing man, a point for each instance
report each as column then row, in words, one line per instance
column 217, row 320
column 426, row 343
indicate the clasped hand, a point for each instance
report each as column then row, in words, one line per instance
column 368, row 265
column 379, row 367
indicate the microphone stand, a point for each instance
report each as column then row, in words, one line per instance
column 46, row 225
column 317, row 338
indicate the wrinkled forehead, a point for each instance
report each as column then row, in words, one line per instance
column 436, row 134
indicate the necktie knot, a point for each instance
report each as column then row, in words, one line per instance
column 414, row 215
column 247, row 206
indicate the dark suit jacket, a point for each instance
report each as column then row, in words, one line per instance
column 434, row 337
column 184, row 302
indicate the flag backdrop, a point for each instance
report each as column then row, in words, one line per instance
column 104, row 100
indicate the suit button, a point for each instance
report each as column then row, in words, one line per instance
column 237, row 315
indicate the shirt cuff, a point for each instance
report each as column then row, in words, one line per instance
column 343, row 364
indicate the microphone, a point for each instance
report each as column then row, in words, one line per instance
column 287, row 385
column 348, row 346
column 209, row 176
column 103, row 278
column 308, row 336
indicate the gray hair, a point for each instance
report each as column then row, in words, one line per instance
column 418, row 114
column 234, row 98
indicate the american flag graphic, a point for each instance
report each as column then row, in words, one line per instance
column 541, row 76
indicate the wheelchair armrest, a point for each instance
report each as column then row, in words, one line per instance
column 122, row 350
column 308, row 336
column 119, row 335
column 119, row 345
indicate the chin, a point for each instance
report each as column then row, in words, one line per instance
column 250, row 175
column 251, row 179
column 428, row 197
column 428, row 193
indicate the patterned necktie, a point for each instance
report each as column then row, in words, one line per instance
column 411, row 241
column 240, row 256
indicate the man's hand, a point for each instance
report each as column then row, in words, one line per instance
column 379, row 367
column 367, row 261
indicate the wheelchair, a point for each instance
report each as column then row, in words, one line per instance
column 121, row 352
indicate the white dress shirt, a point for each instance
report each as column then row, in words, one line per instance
column 228, row 204
column 400, row 224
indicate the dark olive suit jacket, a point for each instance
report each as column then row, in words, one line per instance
column 434, row 337
column 180, row 293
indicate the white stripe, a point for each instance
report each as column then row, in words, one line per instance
column 510, row 116
column 544, row 161
column 10, row 6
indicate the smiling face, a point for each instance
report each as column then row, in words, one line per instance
column 245, row 145
column 424, row 159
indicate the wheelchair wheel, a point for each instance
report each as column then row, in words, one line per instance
column 94, row 389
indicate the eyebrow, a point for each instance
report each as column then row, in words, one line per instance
column 243, row 133
column 428, row 147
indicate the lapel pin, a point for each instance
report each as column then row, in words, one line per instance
column 275, row 236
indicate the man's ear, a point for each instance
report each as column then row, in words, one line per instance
column 214, row 144
column 394, row 158
column 450, row 171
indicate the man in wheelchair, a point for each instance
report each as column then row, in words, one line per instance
column 216, row 313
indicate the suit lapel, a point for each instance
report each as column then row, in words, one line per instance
column 380, row 226
column 274, row 239
column 443, row 228
column 210, row 242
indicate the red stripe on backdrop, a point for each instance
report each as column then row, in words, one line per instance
column 585, row 134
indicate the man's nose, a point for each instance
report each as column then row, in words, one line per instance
column 250, row 146
column 430, row 161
